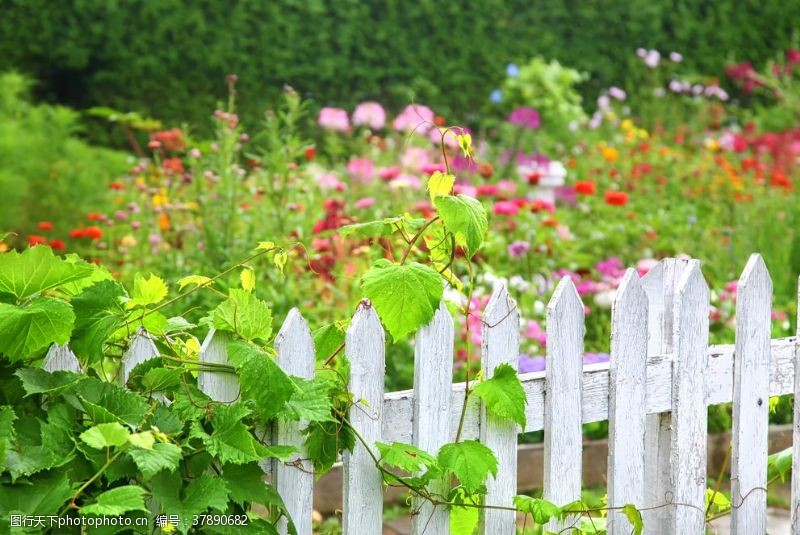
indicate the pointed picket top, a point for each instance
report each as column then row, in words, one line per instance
column 627, row 394
column 295, row 346
column 565, row 300
column 61, row 358
column 692, row 285
column 796, row 432
column 219, row 386
column 501, row 306
column 141, row 349
column 755, row 274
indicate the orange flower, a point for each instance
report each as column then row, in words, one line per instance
column 585, row 187
column 93, row 232
column 780, row 180
column 616, row 198
column 94, row 216
column 173, row 165
column 45, row 225
column 163, row 221
column 116, row 186
column 77, row 233
column 610, row 154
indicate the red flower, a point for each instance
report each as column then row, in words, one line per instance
column 45, row 225
column 172, row 140
column 94, row 216
column 780, row 180
column 505, row 208
column 94, row 233
column 486, row 190
column 116, row 186
column 33, row 239
column 77, row 233
column 173, row 165
column 616, row 198
column 585, row 187
column 310, row 153
column 58, row 245
column 533, row 178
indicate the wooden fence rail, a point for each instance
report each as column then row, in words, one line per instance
column 654, row 393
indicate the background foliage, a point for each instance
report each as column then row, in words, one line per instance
column 167, row 58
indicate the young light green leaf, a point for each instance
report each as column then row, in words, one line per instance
column 634, row 516
column 248, row 278
column 280, row 260
column 117, row 501
column 466, row 218
column 540, row 510
column 36, row 269
column 470, row 461
column 162, row 456
column 27, row 330
column 265, row 246
column 503, row 395
column 244, row 314
column 144, row 440
column 405, row 296
column 463, row 520
column 147, row 291
column 404, row 456
column 440, row 184
column 197, row 280
column 106, row 435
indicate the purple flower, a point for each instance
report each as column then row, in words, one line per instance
column 675, row 57
column 529, row 364
column 525, row 117
column 652, row 58
column 596, row 358
column 519, row 248
column 617, row 93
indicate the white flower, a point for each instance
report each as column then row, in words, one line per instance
column 605, row 298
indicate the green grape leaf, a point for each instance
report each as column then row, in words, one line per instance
column 246, row 484
column 328, row 339
column 39, row 381
column 162, row 456
column 197, row 280
column 162, row 379
column 404, row 296
column 466, row 218
column 98, row 315
column 35, row 270
column 463, row 520
column 440, row 184
column 780, row 464
column 470, row 461
column 144, row 440
column 41, row 495
column 261, row 379
column 27, row 330
column 117, row 501
column 52, row 447
column 634, row 516
column 405, row 456
column 503, row 395
column 202, row 493
column 324, row 441
column 97, row 274
column 7, row 417
column 147, row 291
column 248, row 279
column 540, row 510
column 310, row 402
column 107, row 402
column 106, row 435
column 244, row 314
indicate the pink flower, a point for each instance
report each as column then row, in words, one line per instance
column 366, row 202
column 431, row 168
column 334, row 119
column 507, row 187
column 415, row 117
column 465, row 189
column 389, row 173
column 405, row 181
column 450, row 140
column 518, row 248
column 644, row 265
column 370, row 114
column 329, row 181
column 534, row 331
column 362, row 169
column 525, row 117
column 505, row 208
column 415, row 158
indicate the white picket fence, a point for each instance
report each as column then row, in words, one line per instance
column 654, row 392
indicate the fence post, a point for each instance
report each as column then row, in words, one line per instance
column 689, row 411
column 751, row 362
column 294, row 479
column 796, row 429
column 61, row 358
column 563, row 437
column 500, row 345
column 141, row 349
column 222, row 387
column 433, row 385
column 363, row 484
column 626, row 403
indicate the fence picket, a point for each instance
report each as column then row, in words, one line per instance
column 222, row 387
column 294, row 479
column 433, row 384
column 363, row 484
column 141, row 349
column 750, row 399
column 500, row 345
column 61, row 358
column 689, row 417
column 626, row 404
column 563, row 450
column 796, row 431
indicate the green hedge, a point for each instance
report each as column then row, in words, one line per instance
column 168, row 58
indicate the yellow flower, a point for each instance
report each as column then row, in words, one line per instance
column 626, row 124
column 711, row 143
column 610, row 154
column 128, row 241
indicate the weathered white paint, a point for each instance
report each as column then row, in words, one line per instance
column 500, row 345
column 141, row 349
column 433, row 382
column 626, row 414
column 61, row 358
column 563, row 435
column 751, row 399
column 219, row 386
column 796, row 431
column 689, row 416
column 294, row 479
column 363, row 484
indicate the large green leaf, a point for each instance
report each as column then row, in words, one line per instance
column 27, row 330
column 41, row 495
column 470, row 461
column 310, row 402
column 466, row 218
column 261, row 379
column 405, row 296
column 244, row 314
column 503, row 395
column 106, row 435
column 202, row 493
column 98, row 315
column 117, row 501
column 43, row 446
column 540, row 510
column 39, row 381
column 147, row 291
column 162, row 456
column 324, row 441
column 36, row 269
column 405, row 456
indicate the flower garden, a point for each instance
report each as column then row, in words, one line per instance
column 317, row 207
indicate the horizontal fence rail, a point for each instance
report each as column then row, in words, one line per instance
column 654, row 392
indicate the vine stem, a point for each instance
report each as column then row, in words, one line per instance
column 416, row 238
column 463, row 415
